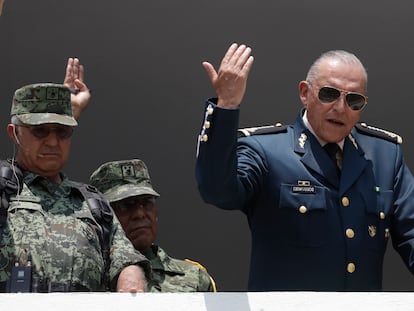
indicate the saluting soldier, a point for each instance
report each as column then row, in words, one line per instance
column 57, row 235
column 322, row 195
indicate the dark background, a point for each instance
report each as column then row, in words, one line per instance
column 143, row 63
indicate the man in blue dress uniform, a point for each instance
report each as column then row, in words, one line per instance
column 319, row 220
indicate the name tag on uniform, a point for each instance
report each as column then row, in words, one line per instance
column 303, row 186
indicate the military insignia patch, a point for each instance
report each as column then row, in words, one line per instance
column 52, row 93
column 128, row 170
column 372, row 231
column 302, row 139
column 303, row 186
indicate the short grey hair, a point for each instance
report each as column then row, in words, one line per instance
column 340, row 55
column 15, row 120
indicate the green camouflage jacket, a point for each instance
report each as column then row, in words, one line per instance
column 174, row 275
column 51, row 226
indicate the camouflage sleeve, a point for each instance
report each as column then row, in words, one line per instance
column 205, row 282
column 123, row 254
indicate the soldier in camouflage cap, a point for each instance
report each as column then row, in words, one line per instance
column 64, row 229
column 127, row 186
column 122, row 179
column 43, row 103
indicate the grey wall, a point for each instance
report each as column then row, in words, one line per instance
column 143, row 62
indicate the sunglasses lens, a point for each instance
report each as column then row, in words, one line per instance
column 135, row 202
column 355, row 101
column 328, row 94
column 40, row 131
column 62, row 132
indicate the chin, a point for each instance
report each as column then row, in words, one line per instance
column 141, row 244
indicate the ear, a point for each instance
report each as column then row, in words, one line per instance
column 11, row 130
column 304, row 92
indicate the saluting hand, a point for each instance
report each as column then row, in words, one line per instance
column 231, row 79
column 74, row 79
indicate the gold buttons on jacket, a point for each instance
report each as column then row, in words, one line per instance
column 382, row 215
column 350, row 267
column 205, row 137
column 303, row 209
column 350, row 233
column 345, row 201
column 207, row 124
column 210, row 110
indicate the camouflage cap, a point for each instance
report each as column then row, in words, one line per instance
column 118, row 180
column 43, row 103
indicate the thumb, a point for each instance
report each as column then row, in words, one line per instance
column 80, row 85
column 211, row 72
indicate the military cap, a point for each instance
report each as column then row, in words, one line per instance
column 43, row 103
column 118, row 180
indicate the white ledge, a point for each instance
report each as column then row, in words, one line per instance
column 227, row 301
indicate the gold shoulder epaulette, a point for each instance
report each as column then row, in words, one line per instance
column 196, row 263
column 377, row 132
column 213, row 283
column 261, row 130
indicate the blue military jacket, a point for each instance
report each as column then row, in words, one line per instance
column 311, row 228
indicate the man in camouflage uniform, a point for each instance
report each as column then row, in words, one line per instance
column 127, row 186
column 52, row 227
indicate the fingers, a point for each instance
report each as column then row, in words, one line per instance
column 80, row 85
column 229, row 54
column 68, row 74
column 81, row 72
column 74, row 71
column 236, row 58
column 247, row 65
column 75, row 68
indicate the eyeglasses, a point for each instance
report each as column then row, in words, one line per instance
column 43, row 131
column 146, row 202
column 329, row 94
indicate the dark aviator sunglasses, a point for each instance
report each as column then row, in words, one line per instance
column 43, row 131
column 329, row 94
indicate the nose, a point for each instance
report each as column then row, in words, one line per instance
column 340, row 104
column 52, row 139
column 139, row 211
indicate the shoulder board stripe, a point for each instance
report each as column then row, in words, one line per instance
column 377, row 132
column 262, row 130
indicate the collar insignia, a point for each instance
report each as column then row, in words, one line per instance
column 302, row 139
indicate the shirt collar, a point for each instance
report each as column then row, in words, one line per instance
column 30, row 178
column 320, row 140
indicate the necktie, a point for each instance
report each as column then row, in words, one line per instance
column 334, row 152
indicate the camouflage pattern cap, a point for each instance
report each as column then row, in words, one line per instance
column 118, row 180
column 43, row 103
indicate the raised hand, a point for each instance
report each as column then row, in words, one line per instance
column 74, row 80
column 231, row 79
